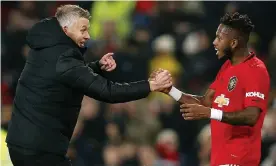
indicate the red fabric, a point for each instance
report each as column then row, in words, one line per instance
column 144, row 6
column 166, row 154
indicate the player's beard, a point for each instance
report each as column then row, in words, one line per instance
column 228, row 53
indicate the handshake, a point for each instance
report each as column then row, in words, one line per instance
column 160, row 81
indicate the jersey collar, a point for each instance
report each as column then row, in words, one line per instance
column 249, row 56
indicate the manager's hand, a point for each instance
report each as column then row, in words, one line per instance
column 154, row 75
column 107, row 63
column 160, row 80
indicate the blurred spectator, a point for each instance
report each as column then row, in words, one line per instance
column 147, row 156
column 269, row 127
column 167, row 147
column 143, row 14
column 271, row 61
column 111, row 156
column 194, row 8
column 128, row 155
column 115, row 13
column 272, row 102
column 204, row 139
column 89, row 135
column 143, row 126
column 200, row 60
column 145, row 7
column 20, row 20
column 110, row 24
column 164, row 48
column 113, row 133
column 271, row 158
column 268, row 132
column 231, row 7
column 23, row 17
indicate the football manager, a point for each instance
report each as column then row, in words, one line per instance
column 52, row 85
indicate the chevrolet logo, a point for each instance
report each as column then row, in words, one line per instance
column 222, row 101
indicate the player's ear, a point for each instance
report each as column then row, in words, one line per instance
column 234, row 43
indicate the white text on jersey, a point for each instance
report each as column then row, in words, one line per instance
column 255, row 94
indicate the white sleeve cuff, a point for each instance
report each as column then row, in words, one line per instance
column 175, row 93
column 216, row 114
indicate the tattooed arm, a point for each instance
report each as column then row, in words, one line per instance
column 247, row 117
column 205, row 100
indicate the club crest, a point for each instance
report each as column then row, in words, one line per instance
column 232, row 83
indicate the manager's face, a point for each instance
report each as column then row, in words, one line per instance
column 78, row 31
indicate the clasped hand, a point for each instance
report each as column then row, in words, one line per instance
column 160, row 80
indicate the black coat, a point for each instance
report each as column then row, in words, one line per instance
column 51, row 87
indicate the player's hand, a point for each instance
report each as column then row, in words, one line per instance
column 161, row 81
column 195, row 111
column 107, row 62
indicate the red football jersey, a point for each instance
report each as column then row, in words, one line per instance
column 237, row 87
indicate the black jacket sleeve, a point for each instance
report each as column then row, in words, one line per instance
column 72, row 71
column 95, row 66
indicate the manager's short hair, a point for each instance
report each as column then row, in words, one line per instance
column 67, row 14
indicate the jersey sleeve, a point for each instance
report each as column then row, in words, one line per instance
column 257, row 89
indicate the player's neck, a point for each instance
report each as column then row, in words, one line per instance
column 239, row 56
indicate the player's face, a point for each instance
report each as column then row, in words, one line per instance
column 223, row 43
column 78, row 31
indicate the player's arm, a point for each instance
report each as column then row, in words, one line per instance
column 205, row 100
column 182, row 97
column 246, row 117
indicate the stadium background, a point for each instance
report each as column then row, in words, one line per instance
column 144, row 36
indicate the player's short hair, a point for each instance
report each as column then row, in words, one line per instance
column 68, row 14
column 239, row 22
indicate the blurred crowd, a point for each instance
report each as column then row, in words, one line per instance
column 144, row 35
